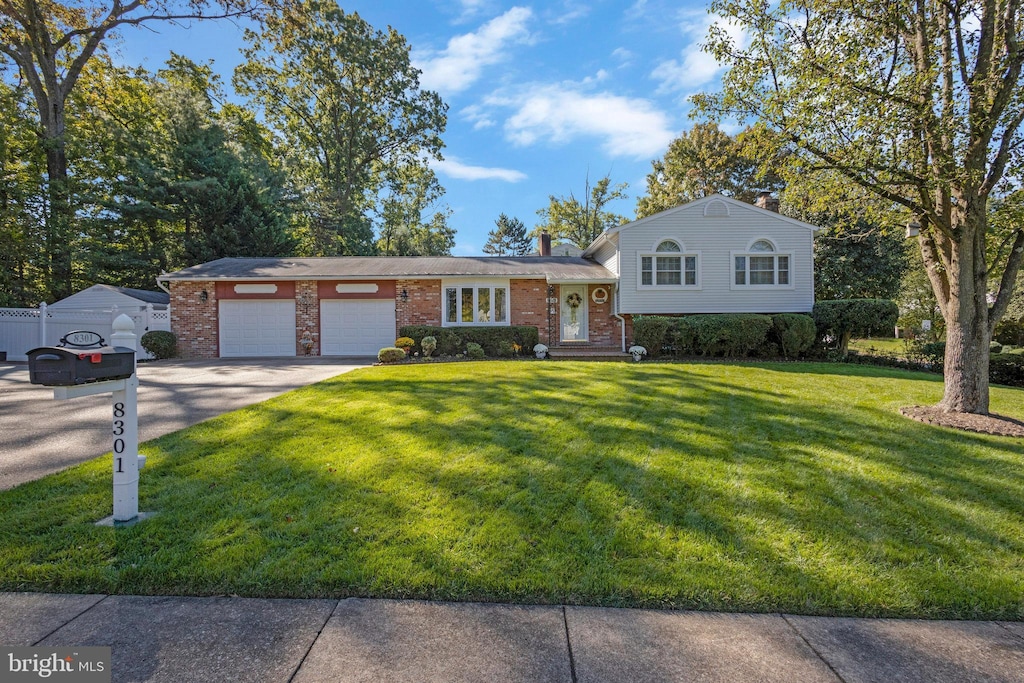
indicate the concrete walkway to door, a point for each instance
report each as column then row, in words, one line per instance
column 39, row 435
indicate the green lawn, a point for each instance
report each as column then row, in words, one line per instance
column 896, row 347
column 773, row 487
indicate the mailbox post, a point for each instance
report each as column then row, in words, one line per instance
column 106, row 370
column 127, row 461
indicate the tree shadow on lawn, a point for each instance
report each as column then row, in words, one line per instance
column 649, row 485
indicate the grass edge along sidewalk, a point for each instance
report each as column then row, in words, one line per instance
column 785, row 487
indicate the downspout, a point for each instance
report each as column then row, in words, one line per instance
column 622, row 321
column 161, row 286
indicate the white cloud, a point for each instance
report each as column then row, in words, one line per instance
column 624, row 56
column 453, row 168
column 627, row 127
column 572, row 12
column 695, row 67
column 462, row 62
column 478, row 116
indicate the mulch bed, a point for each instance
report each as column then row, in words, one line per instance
column 998, row 425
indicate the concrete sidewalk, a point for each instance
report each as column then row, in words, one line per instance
column 239, row 639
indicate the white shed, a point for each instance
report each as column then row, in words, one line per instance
column 106, row 297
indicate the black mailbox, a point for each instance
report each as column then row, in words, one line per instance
column 57, row 366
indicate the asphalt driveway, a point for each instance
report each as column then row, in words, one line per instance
column 40, row 435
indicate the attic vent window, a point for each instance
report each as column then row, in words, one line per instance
column 716, row 209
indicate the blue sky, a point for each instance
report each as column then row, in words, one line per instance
column 539, row 95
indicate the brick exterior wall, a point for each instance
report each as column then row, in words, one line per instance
column 604, row 329
column 193, row 321
column 307, row 315
column 529, row 306
column 423, row 307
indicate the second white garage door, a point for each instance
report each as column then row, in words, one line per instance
column 356, row 327
column 257, row 328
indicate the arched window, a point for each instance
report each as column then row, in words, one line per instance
column 668, row 266
column 761, row 266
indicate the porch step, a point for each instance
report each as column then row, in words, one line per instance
column 587, row 353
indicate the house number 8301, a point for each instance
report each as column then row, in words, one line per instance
column 118, row 431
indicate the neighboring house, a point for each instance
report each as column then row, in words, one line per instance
column 106, row 297
column 714, row 255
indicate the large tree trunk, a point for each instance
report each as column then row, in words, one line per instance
column 968, row 328
column 58, row 221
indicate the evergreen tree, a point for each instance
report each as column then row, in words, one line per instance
column 508, row 238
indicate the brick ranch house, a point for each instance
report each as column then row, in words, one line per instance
column 713, row 255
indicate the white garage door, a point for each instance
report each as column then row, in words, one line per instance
column 257, row 328
column 356, row 327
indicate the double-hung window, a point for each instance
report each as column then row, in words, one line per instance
column 668, row 266
column 475, row 303
column 761, row 266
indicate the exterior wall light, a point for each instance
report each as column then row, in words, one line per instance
column 405, row 296
column 203, row 296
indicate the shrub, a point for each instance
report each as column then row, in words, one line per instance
column 428, row 344
column 390, row 354
column 649, row 332
column 452, row 341
column 842, row 318
column 475, row 351
column 1009, row 332
column 729, row 334
column 1006, row 369
column 934, row 352
column 995, row 347
column 793, row 332
column 160, row 344
column 405, row 343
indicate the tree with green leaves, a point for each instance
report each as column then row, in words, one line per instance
column 20, row 202
column 347, row 101
column 411, row 193
column 566, row 219
column 702, row 161
column 919, row 104
column 854, row 259
column 508, row 238
column 50, row 44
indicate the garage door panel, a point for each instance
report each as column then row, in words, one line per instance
column 356, row 327
column 257, row 328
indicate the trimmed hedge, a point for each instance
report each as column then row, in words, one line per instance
column 1006, row 369
column 390, row 354
column 495, row 341
column 794, row 333
column 732, row 335
column 160, row 343
column 649, row 332
column 842, row 318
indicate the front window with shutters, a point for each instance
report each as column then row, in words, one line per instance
column 669, row 267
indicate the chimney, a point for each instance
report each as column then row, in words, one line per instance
column 765, row 200
column 545, row 244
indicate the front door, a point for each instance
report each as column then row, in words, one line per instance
column 574, row 313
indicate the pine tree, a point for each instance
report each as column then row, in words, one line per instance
column 508, row 238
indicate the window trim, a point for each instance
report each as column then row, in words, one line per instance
column 476, row 284
column 774, row 255
column 682, row 254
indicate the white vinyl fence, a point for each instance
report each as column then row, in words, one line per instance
column 23, row 329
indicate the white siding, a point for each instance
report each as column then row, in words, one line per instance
column 714, row 237
column 607, row 255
